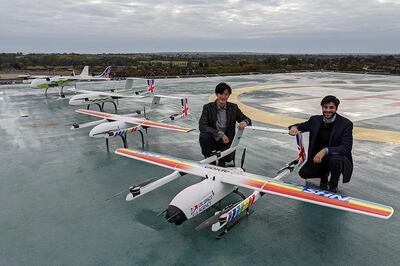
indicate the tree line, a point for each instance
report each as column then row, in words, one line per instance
column 182, row 64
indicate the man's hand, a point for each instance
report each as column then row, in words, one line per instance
column 293, row 131
column 318, row 157
column 242, row 125
column 225, row 139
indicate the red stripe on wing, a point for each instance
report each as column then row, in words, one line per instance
column 167, row 162
column 160, row 125
column 94, row 113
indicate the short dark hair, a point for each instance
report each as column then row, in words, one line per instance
column 221, row 87
column 330, row 99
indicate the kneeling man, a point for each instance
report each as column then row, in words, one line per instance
column 330, row 144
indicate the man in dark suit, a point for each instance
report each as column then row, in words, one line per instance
column 218, row 123
column 330, row 144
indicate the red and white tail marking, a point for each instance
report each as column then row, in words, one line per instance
column 151, row 87
column 300, row 148
column 185, row 107
column 106, row 72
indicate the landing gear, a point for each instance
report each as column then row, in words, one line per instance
column 142, row 136
column 123, row 137
column 236, row 191
column 62, row 95
column 125, row 140
column 115, row 106
column 101, row 107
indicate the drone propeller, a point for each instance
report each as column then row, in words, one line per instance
column 135, row 188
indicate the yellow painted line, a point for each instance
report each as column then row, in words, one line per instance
column 359, row 133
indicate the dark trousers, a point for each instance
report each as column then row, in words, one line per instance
column 209, row 145
column 332, row 164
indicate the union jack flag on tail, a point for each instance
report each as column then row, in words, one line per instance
column 185, row 107
column 151, row 87
column 300, row 148
column 106, row 72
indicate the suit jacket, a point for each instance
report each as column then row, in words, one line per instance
column 340, row 141
column 208, row 119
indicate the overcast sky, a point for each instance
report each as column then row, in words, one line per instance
column 272, row 26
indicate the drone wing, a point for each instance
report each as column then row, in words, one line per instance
column 262, row 183
column 134, row 120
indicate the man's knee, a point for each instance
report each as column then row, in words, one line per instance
column 311, row 170
column 336, row 161
column 207, row 144
column 303, row 172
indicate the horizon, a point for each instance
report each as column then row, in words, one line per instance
column 210, row 52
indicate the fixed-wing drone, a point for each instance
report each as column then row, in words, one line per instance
column 62, row 81
column 218, row 182
column 113, row 125
column 99, row 98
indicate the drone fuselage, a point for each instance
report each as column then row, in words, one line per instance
column 103, row 130
column 197, row 198
column 87, row 99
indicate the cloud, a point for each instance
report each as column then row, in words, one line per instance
column 251, row 23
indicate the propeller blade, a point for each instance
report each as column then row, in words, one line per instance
column 161, row 213
column 115, row 195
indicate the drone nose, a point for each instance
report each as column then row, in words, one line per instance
column 175, row 215
column 35, row 83
column 72, row 100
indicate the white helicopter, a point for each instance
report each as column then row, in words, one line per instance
column 62, row 81
column 99, row 98
column 219, row 182
column 113, row 125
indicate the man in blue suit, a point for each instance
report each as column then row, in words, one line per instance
column 330, row 144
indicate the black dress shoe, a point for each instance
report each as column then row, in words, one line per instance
column 333, row 189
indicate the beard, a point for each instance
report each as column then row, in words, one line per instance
column 329, row 115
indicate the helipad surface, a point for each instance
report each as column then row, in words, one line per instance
column 54, row 182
